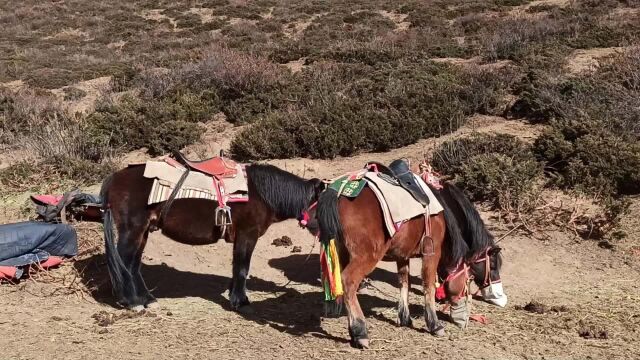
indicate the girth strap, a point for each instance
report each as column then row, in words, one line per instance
column 172, row 197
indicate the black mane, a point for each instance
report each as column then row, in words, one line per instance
column 455, row 246
column 285, row 193
column 474, row 230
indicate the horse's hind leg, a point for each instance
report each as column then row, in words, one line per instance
column 131, row 242
column 243, row 247
column 404, row 317
column 143, row 293
column 353, row 274
column 429, row 273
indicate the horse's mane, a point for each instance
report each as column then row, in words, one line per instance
column 474, row 231
column 285, row 193
column 455, row 246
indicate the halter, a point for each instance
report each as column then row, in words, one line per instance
column 305, row 217
column 484, row 256
column 463, row 268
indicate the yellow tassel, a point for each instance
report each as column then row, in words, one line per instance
column 437, row 284
column 336, row 268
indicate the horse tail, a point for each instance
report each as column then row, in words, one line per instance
column 474, row 228
column 330, row 228
column 116, row 266
column 455, row 246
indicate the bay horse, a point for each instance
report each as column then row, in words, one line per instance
column 362, row 240
column 274, row 195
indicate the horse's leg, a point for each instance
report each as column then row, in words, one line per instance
column 141, row 288
column 243, row 247
column 131, row 241
column 429, row 273
column 404, row 318
column 353, row 274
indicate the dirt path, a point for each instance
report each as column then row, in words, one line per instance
column 598, row 287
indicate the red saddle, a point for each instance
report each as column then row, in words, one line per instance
column 216, row 166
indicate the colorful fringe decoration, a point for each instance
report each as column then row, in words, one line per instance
column 330, row 267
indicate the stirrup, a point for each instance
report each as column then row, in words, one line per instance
column 223, row 216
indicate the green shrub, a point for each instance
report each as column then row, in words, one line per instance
column 609, row 97
column 347, row 108
column 450, row 156
column 338, row 126
column 511, row 2
column 590, row 159
column 241, row 85
column 508, row 184
column 498, row 168
column 131, row 124
column 72, row 93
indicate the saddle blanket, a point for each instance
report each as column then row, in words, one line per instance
column 196, row 186
column 397, row 204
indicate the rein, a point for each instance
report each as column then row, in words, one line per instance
column 484, row 257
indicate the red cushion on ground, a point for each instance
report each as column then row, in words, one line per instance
column 51, row 261
column 8, row 272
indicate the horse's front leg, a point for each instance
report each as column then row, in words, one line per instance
column 243, row 247
column 429, row 273
column 404, row 317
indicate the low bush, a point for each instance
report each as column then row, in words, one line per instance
column 73, row 94
column 589, row 158
column 54, row 139
column 160, row 126
column 517, row 38
column 343, row 109
column 241, row 85
column 500, row 169
column 609, row 97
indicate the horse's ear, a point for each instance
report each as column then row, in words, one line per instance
column 495, row 251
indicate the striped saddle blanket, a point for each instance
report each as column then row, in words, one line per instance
column 166, row 175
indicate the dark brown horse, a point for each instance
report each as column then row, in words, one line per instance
column 274, row 195
column 362, row 239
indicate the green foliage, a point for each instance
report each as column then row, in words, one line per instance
column 507, row 183
column 450, row 156
column 497, row 168
column 159, row 126
column 511, row 2
column 344, row 109
column 590, row 159
column 72, row 93
column 610, row 97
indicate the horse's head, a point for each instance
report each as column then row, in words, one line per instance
column 485, row 269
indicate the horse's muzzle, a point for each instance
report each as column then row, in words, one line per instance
column 494, row 294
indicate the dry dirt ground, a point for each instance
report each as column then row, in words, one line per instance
column 592, row 296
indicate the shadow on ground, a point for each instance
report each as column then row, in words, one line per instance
column 288, row 311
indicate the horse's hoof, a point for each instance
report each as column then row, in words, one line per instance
column 438, row 332
column 153, row 305
column 136, row 308
column 362, row 343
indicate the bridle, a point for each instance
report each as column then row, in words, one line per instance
column 464, row 269
column 486, row 258
column 303, row 219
